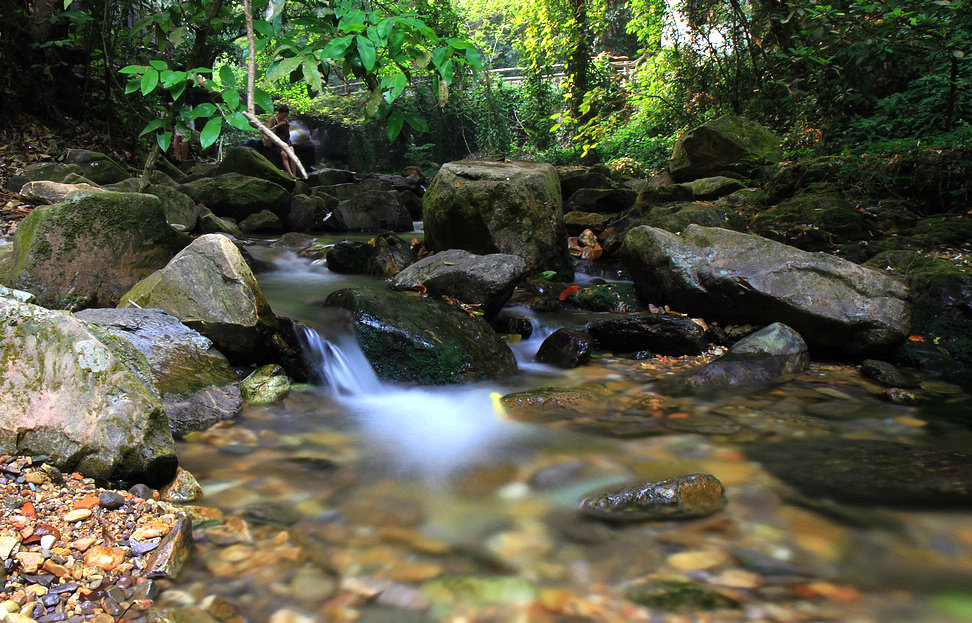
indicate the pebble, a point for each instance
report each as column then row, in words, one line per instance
column 79, row 514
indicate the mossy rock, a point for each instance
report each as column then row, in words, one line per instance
column 712, row 187
column 944, row 231
column 91, row 249
column 726, row 143
column 677, row 216
column 96, row 166
column 829, row 212
column 250, row 162
column 677, row 596
column 238, row 196
column 52, row 172
column 421, row 339
column 265, row 386
column 609, row 297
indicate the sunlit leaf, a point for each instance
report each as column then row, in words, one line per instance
column 205, row 109
column 153, row 125
column 232, row 98
column 237, row 120
column 164, row 139
column 284, row 69
column 337, row 47
column 132, row 69
column 150, row 79
column 227, row 77
column 474, row 59
column 158, row 65
column 263, row 99
column 132, row 85
column 439, row 56
column 366, row 49
column 177, row 90
column 446, row 71
column 210, row 133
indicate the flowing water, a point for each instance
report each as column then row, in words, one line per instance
column 355, row 499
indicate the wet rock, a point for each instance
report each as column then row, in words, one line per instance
column 271, row 513
column 111, row 500
column 374, row 210
column 514, row 324
column 664, row 334
column 238, row 196
column 210, row 288
column 696, row 495
column 566, row 348
column 553, row 403
column 837, row 306
column 262, row 222
column 79, row 395
column 96, row 166
column 677, row 596
column 412, row 338
column 577, row 221
column 90, row 249
column 295, row 241
column 619, row 298
column 384, row 255
column 888, row 374
column 485, row 280
column 197, row 383
column 183, row 488
column 265, row 386
column 251, row 163
column 481, row 590
column 767, row 356
column 209, row 223
column 492, row 207
column 870, row 471
column 722, row 144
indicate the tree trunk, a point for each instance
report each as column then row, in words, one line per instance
column 579, row 60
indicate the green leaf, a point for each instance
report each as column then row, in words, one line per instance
column 150, row 79
column 132, row 85
column 546, row 275
column 158, row 65
column 446, row 71
column 385, row 27
column 393, row 125
column 312, row 75
column 177, row 90
column 170, row 77
column 205, row 109
column 284, row 69
column 263, row 99
column 337, row 47
column 227, row 77
column 164, row 139
column 153, row 125
column 395, row 84
column 439, row 56
column 474, row 59
column 417, row 122
column 232, row 98
column 366, row 49
column 132, row 69
column 210, row 132
column 237, row 120
column 263, row 27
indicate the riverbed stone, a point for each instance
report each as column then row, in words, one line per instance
column 198, row 385
column 496, row 207
column 43, row 191
column 385, row 255
column 262, row 222
column 266, row 385
column 250, row 162
column 663, row 334
column 888, row 374
column 618, row 298
column 90, row 249
column 859, row 471
column 767, row 356
column 836, row 305
column 211, row 289
column 566, row 348
column 726, row 143
column 485, row 280
column 96, row 166
column 677, row 596
column 81, row 396
column 371, row 210
column 682, row 497
column 238, row 196
column 422, row 339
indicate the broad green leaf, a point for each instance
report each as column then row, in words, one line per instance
column 263, row 27
column 474, row 59
column 177, row 90
column 546, row 275
column 227, row 77
column 366, row 49
column 164, row 139
column 232, row 98
column 446, row 71
column 205, row 109
column 132, row 85
column 170, row 77
column 263, row 99
column 237, row 120
column 395, row 84
column 417, row 122
column 150, row 79
column 284, row 69
column 312, row 75
column 439, row 56
column 393, row 125
column 152, row 125
column 460, row 44
column 210, row 132
column 352, row 20
column 337, row 47
column 158, row 65
column 132, row 69
column 385, row 27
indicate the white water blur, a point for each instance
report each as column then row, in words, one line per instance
column 431, row 432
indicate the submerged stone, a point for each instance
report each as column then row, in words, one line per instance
column 695, row 495
column 677, row 596
column 870, row 471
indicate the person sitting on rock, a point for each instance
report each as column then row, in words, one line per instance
column 281, row 127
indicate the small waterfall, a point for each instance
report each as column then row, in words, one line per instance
column 340, row 364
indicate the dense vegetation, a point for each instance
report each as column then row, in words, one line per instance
column 884, row 76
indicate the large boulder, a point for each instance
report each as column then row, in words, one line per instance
column 486, row 280
column 198, row 385
column 385, row 255
column 43, row 191
column 499, row 207
column 90, row 249
column 96, row 166
column 250, row 162
column 370, row 210
column 837, row 306
column 79, row 395
column 663, row 334
column 421, row 339
column 238, row 196
column 725, row 144
column 51, row 171
column 210, row 287
column 767, row 356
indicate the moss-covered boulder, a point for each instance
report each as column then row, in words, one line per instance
column 675, row 217
column 619, row 298
column 81, row 396
column 181, row 212
column 837, row 306
column 485, row 280
column 238, row 196
column 422, row 339
column 96, row 166
column 267, row 385
column 251, row 163
column 370, row 210
column 712, row 187
column 51, row 171
column 727, row 143
column 767, row 356
column 264, row 221
column 209, row 287
column 198, row 385
column 90, row 249
column 209, row 223
column 827, row 212
column 497, row 207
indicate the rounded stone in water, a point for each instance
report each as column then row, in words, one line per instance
column 695, row 495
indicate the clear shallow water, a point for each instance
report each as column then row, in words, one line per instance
column 373, row 502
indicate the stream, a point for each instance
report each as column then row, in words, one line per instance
column 357, row 500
